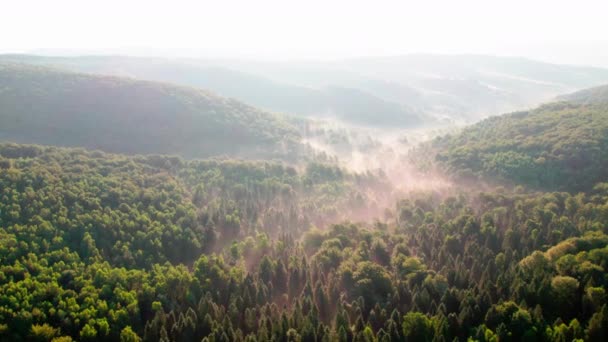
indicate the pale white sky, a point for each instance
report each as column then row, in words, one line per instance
column 552, row 30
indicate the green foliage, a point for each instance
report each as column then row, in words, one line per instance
column 348, row 103
column 97, row 246
column 127, row 335
column 43, row 332
column 595, row 95
column 417, row 327
column 558, row 146
column 48, row 106
column 511, row 322
column 565, row 290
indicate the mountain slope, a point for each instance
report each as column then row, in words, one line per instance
column 475, row 86
column 400, row 90
column 47, row 106
column 479, row 67
column 558, row 146
column 596, row 95
column 466, row 87
column 256, row 90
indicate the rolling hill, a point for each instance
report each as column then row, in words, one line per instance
column 458, row 87
column 402, row 91
column 105, row 246
column 592, row 96
column 557, row 146
column 48, row 106
column 253, row 89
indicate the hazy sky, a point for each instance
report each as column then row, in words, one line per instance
column 552, row 30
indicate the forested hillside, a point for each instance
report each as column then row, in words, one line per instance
column 392, row 91
column 100, row 246
column 149, row 246
column 558, row 146
column 346, row 103
column 591, row 96
column 313, row 171
column 48, row 106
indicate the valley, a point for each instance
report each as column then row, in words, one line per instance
column 162, row 200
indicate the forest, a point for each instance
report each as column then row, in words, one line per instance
column 51, row 106
column 384, row 91
column 99, row 246
column 137, row 210
column 558, row 146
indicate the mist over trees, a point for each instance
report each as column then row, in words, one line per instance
column 101, row 246
column 403, row 91
column 137, row 210
column 54, row 107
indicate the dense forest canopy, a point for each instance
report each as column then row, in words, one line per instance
column 100, row 246
column 558, row 146
column 48, row 106
column 161, row 199
column 117, row 228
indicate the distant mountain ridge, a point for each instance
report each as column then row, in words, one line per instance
column 397, row 91
column 256, row 90
column 48, row 106
column 466, row 87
